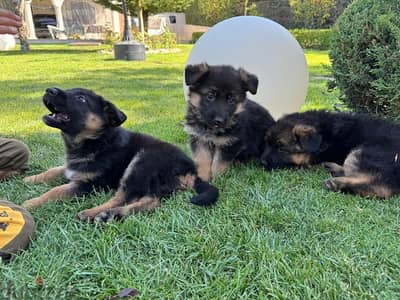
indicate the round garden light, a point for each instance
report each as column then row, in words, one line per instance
column 261, row 47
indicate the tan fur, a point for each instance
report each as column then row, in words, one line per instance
column 203, row 67
column 361, row 184
column 223, row 141
column 89, row 158
column 382, row 191
column 187, row 181
column 210, row 138
column 194, row 99
column 352, row 162
column 92, row 125
column 244, row 76
column 239, row 109
column 46, row 176
column 57, row 193
column 301, row 159
column 332, row 167
column 203, row 159
column 82, row 176
column 118, row 199
column 218, row 165
column 303, row 130
column 143, row 205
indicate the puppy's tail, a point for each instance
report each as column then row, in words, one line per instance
column 207, row 194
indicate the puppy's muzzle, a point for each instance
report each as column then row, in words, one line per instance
column 52, row 92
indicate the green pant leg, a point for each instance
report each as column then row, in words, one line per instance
column 14, row 155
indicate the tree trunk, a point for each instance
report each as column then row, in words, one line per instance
column 141, row 20
column 246, row 3
column 22, row 31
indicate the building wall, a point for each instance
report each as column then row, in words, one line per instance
column 81, row 17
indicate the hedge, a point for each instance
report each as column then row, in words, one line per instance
column 318, row 39
column 366, row 56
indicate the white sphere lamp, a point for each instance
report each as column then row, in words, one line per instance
column 264, row 48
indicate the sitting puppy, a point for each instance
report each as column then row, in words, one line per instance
column 360, row 151
column 101, row 155
column 223, row 125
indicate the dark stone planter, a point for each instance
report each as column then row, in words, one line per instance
column 129, row 50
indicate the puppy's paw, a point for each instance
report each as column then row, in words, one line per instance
column 330, row 184
column 86, row 215
column 31, row 203
column 109, row 215
column 30, row 179
column 335, row 169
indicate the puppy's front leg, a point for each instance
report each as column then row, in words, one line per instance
column 46, row 176
column 223, row 157
column 57, row 193
column 219, row 163
column 202, row 156
column 89, row 214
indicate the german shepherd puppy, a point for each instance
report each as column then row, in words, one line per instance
column 360, row 151
column 223, row 125
column 100, row 155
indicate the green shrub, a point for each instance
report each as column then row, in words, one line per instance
column 319, row 39
column 111, row 37
column 366, row 56
column 166, row 40
column 196, row 36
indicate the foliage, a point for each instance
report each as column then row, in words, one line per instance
column 215, row 11
column 166, row 40
column 157, row 6
column 111, row 37
column 149, row 6
column 312, row 13
column 196, row 36
column 319, row 39
column 208, row 13
column 366, row 56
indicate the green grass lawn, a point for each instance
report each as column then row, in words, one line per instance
column 273, row 234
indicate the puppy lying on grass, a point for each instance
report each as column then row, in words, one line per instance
column 100, row 155
column 360, row 151
column 223, row 125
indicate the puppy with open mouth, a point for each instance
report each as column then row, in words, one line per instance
column 223, row 124
column 101, row 155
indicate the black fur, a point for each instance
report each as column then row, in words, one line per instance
column 137, row 165
column 220, row 117
column 361, row 147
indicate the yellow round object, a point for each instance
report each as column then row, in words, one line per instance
column 17, row 227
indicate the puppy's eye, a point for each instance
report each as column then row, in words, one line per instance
column 81, row 98
column 230, row 98
column 211, row 96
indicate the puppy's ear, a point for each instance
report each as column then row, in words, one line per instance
column 250, row 81
column 114, row 117
column 194, row 73
column 308, row 137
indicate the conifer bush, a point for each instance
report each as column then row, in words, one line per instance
column 365, row 54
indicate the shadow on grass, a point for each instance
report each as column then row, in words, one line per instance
column 50, row 51
column 126, row 83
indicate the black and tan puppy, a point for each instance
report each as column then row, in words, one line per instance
column 101, row 155
column 223, row 125
column 361, row 151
